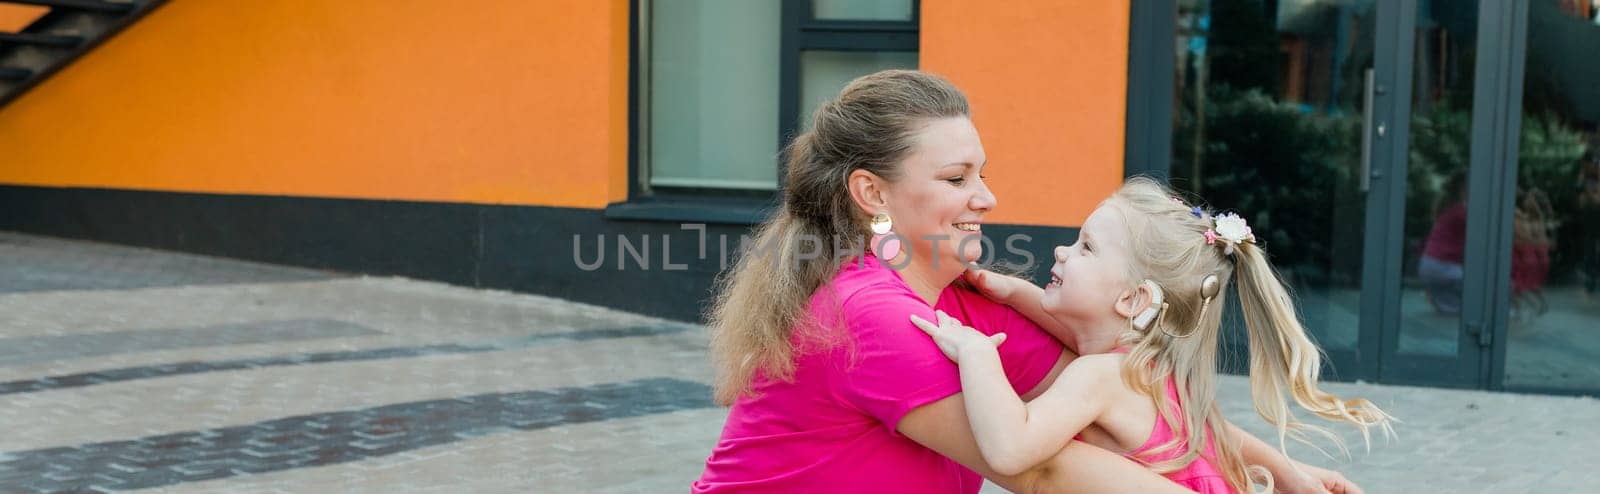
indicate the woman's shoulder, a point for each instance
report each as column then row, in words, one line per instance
column 960, row 293
column 861, row 292
column 866, row 299
column 865, row 284
column 973, row 308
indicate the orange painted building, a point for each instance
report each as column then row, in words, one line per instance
column 458, row 120
column 614, row 151
column 522, row 103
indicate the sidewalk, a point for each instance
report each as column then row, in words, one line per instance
column 126, row 369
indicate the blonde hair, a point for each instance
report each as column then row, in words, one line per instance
column 870, row 126
column 1168, row 247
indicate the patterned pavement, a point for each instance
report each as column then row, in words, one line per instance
column 128, row 369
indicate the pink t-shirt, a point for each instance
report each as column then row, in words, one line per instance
column 1449, row 234
column 1202, row 475
column 832, row 429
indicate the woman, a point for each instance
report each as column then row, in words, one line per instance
column 1440, row 267
column 832, row 388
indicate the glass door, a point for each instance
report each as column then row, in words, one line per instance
column 1430, row 329
column 1549, row 339
column 1343, row 130
column 1273, row 101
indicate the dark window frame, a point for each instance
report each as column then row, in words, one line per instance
column 800, row 31
column 1152, row 36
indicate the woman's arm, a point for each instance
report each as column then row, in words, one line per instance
column 1289, row 475
column 1013, row 436
column 942, row 426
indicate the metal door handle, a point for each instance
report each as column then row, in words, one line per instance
column 1366, row 131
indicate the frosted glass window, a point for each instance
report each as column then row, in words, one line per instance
column 862, row 10
column 713, row 94
column 824, row 73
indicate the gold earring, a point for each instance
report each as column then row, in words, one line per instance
column 881, row 224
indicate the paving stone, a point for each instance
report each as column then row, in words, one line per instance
column 29, row 349
column 456, row 390
column 31, row 264
column 379, row 431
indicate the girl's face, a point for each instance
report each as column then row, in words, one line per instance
column 1091, row 275
column 939, row 201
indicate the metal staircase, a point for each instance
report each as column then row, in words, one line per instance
column 68, row 30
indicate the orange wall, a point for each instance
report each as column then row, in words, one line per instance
column 14, row 17
column 513, row 103
column 510, row 102
column 1048, row 86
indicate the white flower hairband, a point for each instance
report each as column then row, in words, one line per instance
column 1227, row 227
column 1231, row 230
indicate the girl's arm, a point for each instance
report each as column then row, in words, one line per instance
column 1013, row 436
column 1024, row 297
column 942, row 426
column 1017, row 293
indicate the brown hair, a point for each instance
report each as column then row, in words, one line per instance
column 762, row 299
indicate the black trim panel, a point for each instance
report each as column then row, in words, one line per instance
column 521, row 248
column 1152, row 33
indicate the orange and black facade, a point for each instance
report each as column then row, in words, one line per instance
column 512, row 144
column 469, row 145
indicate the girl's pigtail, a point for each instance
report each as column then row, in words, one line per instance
column 1284, row 359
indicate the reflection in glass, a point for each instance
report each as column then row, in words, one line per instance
column 1270, row 107
column 1554, row 333
column 1436, row 177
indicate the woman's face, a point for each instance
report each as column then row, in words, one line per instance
column 939, row 201
column 1091, row 275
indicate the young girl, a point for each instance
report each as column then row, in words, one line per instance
column 1140, row 297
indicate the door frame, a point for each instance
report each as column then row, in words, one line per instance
column 1500, row 97
column 1492, row 185
column 1383, row 255
column 1383, row 266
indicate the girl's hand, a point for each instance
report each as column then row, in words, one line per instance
column 1318, row 480
column 954, row 338
column 998, row 287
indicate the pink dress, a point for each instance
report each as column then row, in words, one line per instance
column 1200, row 476
column 832, row 428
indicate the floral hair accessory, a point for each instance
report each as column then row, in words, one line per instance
column 1231, row 230
column 1197, row 212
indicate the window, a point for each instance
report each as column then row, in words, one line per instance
column 712, row 93
column 721, row 85
column 857, row 10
